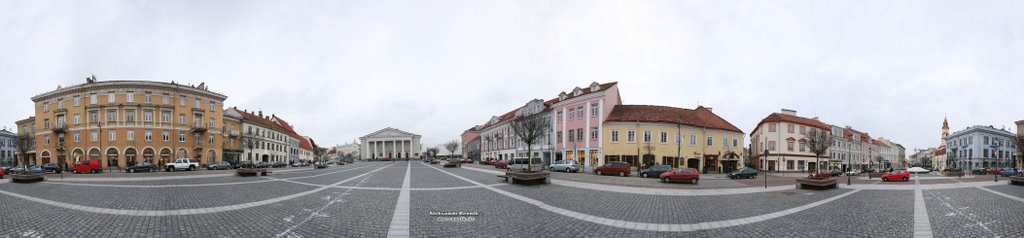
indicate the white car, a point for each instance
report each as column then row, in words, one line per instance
column 853, row 172
column 918, row 170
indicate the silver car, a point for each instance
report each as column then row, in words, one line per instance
column 569, row 166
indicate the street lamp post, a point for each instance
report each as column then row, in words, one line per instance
column 956, row 159
column 765, row 159
column 995, row 147
column 849, row 166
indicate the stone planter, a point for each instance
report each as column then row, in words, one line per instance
column 250, row 172
column 26, row 178
column 817, row 183
column 528, row 178
column 1016, row 180
column 453, row 165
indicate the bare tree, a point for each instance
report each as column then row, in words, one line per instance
column 451, row 146
column 649, row 148
column 529, row 130
column 878, row 158
column 432, row 152
column 250, row 141
column 818, row 142
column 25, row 144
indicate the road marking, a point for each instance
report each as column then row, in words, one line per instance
column 655, row 226
column 652, row 191
column 1019, row 199
column 400, row 219
column 193, row 185
column 893, row 187
column 180, row 212
column 388, row 189
column 922, row 226
column 318, row 212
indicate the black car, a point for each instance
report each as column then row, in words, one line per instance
column 836, row 173
column 263, row 165
column 144, row 166
column 280, row 164
column 979, row 171
column 655, row 171
column 51, row 167
column 868, row 171
column 219, row 166
column 245, row 164
column 746, row 172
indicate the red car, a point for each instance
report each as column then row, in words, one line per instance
column 87, row 166
column 489, row 162
column 385, row 159
column 614, row 167
column 680, row 175
column 1, row 173
column 467, row 161
column 896, row 175
column 995, row 171
column 501, row 164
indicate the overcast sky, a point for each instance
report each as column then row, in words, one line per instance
column 338, row 70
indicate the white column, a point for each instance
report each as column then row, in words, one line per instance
column 586, row 133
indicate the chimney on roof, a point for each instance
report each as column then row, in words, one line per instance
column 788, row 112
column 815, row 118
column 261, row 113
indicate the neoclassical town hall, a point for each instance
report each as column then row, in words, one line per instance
column 390, row 143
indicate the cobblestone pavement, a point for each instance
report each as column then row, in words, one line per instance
column 359, row 200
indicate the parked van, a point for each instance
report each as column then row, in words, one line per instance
column 87, row 166
column 523, row 164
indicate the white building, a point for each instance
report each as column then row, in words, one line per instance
column 351, row 149
column 390, row 143
column 981, row 147
column 269, row 140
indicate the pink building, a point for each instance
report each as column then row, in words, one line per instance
column 579, row 116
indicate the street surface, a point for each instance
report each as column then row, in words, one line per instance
column 415, row 199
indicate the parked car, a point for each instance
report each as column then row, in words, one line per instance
column 836, row 173
column 385, row 159
column 568, row 166
column 498, row 165
column 896, row 175
column 144, row 166
column 180, row 164
column 219, row 165
column 244, row 164
column 14, row 170
column 87, row 166
column 262, row 165
column 467, row 161
column 615, row 167
column 524, row 164
column 681, row 175
column 820, row 174
column 51, row 168
column 868, row 171
column 1007, row 172
column 979, row 171
column 746, row 172
column 36, row 170
column 2, row 173
column 280, row 164
column 655, row 171
column 490, row 162
column 995, row 171
column 919, row 170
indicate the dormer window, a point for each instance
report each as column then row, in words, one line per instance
column 594, row 87
column 576, row 92
column 561, row 96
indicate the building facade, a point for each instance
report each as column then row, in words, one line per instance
column 8, row 148
column 232, row 143
column 981, row 147
column 579, row 120
column 126, row 122
column 497, row 138
column 262, row 139
column 1020, row 143
column 647, row 135
column 470, row 150
column 27, row 126
column 783, row 135
column 390, row 143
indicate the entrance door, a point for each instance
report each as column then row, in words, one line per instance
column 710, row 163
column 648, row 160
column 728, row 166
column 693, row 163
column 771, row 165
column 810, row 165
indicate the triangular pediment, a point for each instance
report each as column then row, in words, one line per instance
column 390, row 132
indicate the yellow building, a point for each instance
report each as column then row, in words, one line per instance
column 678, row 137
column 126, row 122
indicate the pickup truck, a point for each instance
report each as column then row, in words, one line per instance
column 181, row 164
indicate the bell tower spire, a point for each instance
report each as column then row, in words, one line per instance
column 945, row 130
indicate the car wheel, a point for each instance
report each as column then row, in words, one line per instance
column 885, row 179
column 131, row 171
column 664, row 180
column 599, row 172
column 644, row 175
column 693, row 181
column 621, row 174
column 904, row 179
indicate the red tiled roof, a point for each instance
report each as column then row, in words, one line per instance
column 700, row 117
column 940, row 151
column 262, row 121
column 303, row 143
column 879, row 143
column 779, row 117
column 586, row 90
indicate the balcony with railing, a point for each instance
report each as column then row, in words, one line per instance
column 199, row 128
column 60, row 128
column 233, row 133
